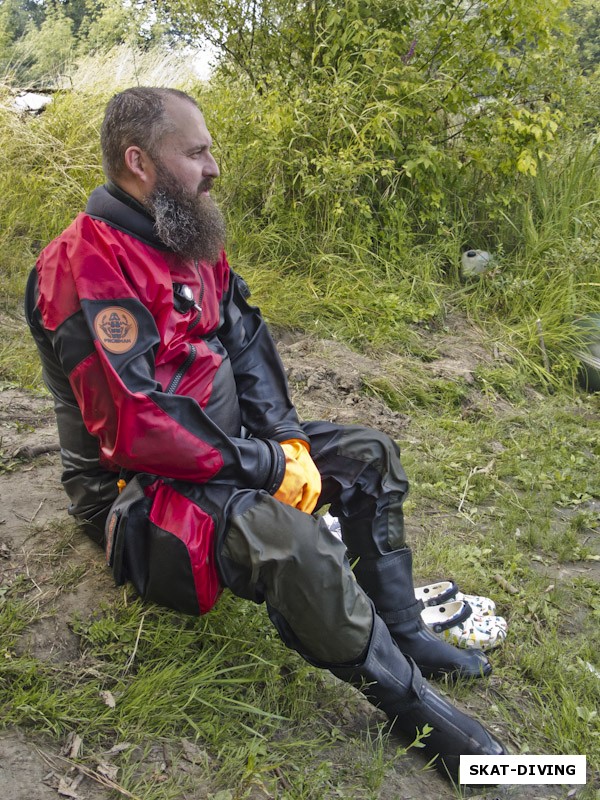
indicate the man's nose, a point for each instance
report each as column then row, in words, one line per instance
column 211, row 168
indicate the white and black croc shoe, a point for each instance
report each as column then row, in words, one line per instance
column 455, row 623
column 481, row 605
column 440, row 618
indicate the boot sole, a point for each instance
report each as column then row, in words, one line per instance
column 457, row 674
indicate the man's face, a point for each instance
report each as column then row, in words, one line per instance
column 186, row 218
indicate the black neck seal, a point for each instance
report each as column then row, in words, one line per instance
column 110, row 204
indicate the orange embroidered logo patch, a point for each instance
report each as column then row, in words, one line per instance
column 117, row 329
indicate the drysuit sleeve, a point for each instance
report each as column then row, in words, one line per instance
column 263, row 395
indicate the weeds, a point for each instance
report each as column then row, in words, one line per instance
column 260, row 718
column 368, row 280
column 504, row 474
column 540, row 459
column 173, row 677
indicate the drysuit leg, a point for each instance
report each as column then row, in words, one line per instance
column 365, row 484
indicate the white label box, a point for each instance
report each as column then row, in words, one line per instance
column 564, row 770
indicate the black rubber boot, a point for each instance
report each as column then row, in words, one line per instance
column 388, row 581
column 391, row 682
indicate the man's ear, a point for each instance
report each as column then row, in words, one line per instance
column 139, row 165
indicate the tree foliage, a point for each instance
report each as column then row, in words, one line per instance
column 366, row 109
column 42, row 52
column 585, row 16
column 366, row 134
column 40, row 41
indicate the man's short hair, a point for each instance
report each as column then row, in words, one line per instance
column 135, row 116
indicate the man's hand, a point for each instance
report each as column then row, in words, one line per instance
column 301, row 484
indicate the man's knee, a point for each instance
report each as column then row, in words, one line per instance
column 292, row 560
column 372, row 447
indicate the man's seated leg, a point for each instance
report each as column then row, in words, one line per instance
column 291, row 560
column 364, row 481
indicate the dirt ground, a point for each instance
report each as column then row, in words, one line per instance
column 326, row 379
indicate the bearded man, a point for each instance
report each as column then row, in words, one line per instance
column 183, row 454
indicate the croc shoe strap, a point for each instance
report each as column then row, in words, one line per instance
column 465, row 612
column 440, row 597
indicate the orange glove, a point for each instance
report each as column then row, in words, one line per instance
column 301, row 484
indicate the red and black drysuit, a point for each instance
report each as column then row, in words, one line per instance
column 161, row 371
column 187, row 389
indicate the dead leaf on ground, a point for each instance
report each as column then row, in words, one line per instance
column 118, row 748
column 66, row 790
column 72, row 746
column 193, row 753
column 109, row 771
column 108, row 698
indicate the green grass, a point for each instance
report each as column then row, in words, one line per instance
column 506, row 497
column 260, row 718
column 504, row 475
column 510, row 499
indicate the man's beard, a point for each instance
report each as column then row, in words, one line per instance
column 190, row 224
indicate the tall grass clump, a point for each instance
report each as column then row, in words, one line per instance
column 48, row 165
column 298, row 185
column 548, row 279
column 108, row 71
